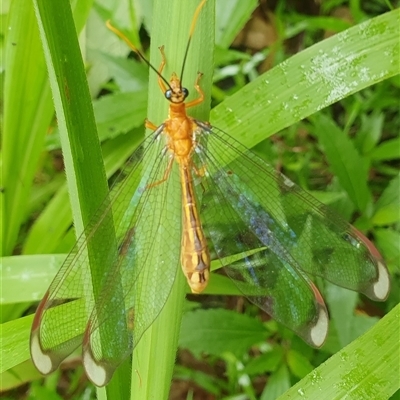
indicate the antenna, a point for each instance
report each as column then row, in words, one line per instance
column 192, row 26
column 136, row 50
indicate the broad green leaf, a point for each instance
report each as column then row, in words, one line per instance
column 370, row 131
column 44, row 393
column 278, row 383
column 342, row 303
column 347, row 164
column 128, row 75
column 231, row 16
column 26, row 278
column 266, row 362
column 27, row 114
column 388, row 150
column 87, row 186
column 28, row 111
column 45, row 236
column 367, row 368
column 387, row 208
column 388, row 241
column 23, row 373
column 217, row 331
column 303, row 22
column 299, row 365
column 120, row 113
column 98, row 43
column 210, row 383
column 115, row 114
column 156, row 350
column 14, row 337
column 312, row 79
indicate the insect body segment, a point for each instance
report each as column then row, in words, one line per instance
column 195, row 256
column 180, row 130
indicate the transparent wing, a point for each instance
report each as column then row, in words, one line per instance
column 279, row 234
column 110, row 308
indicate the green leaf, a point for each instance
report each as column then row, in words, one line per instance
column 45, row 236
column 14, row 337
column 26, row 278
column 370, row 131
column 44, row 393
column 312, row 79
column 119, row 113
column 129, row 75
column 20, row 374
column 27, row 114
column 326, row 23
column 156, row 350
column 278, row 383
column 388, row 241
column 99, row 44
column 298, row 364
column 350, row 168
column 209, row 383
column 87, row 187
column 74, row 109
column 387, row 208
column 231, row 16
column 388, row 150
column 217, row 331
column 267, row 362
column 115, row 114
column 342, row 303
column 367, row 368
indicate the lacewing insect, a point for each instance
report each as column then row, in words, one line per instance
column 269, row 235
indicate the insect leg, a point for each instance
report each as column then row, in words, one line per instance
column 148, row 124
column 166, row 174
column 199, row 90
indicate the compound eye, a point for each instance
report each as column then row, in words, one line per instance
column 168, row 94
column 185, row 92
